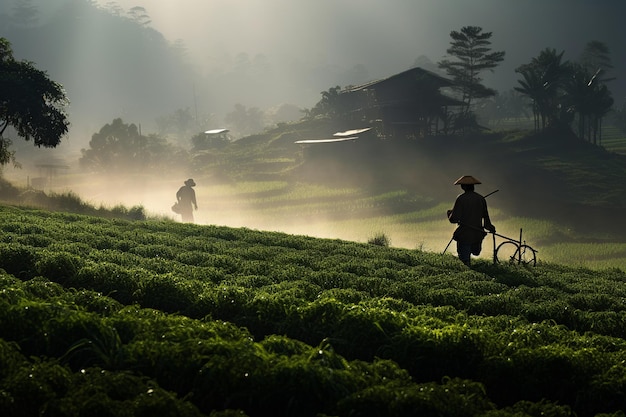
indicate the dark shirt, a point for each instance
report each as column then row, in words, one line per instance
column 186, row 196
column 470, row 212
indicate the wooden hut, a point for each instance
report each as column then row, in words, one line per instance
column 407, row 104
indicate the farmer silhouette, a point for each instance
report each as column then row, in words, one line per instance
column 186, row 197
column 471, row 214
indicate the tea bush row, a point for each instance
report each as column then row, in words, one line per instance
column 364, row 303
column 429, row 342
column 57, row 356
column 197, row 283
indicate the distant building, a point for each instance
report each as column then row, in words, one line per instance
column 407, row 104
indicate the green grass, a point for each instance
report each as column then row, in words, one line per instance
column 590, row 255
column 408, row 220
column 614, row 139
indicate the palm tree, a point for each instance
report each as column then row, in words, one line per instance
column 532, row 87
column 602, row 103
column 589, row 99
column 579, row 95
column 543, row 81
column 597, row 55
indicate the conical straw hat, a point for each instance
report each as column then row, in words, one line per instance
column 467, row 179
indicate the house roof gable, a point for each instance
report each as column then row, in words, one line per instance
column 399, row 77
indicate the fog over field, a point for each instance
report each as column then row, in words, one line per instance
column 262, row 54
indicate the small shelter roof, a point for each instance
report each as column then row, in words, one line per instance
column 215, row 131
column 329, row 140
column 352, row 132
column 402, row 77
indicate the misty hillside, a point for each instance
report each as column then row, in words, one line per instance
column 115, row 60
column 551, row 174
column 110, row 65
column 113, row 63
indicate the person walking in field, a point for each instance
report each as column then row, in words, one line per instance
column 471, row 214
column 186, row 198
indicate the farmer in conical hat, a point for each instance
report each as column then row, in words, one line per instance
column 186, row 197
column 471, row 214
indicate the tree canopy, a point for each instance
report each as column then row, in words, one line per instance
column 30, row 102
column 121, row 148
column 562, row 92
column 472, row 52
column 595, row 56
column 329, row 105
column 543, row 81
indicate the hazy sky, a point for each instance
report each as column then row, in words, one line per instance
column 386, row 36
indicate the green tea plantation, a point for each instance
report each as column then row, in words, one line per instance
column 106, row 317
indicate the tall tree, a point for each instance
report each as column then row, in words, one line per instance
column 563, row 93
column 531, row 86
column 120, row 148
column 139, row 15
column 590, row 100
column 596, row 56
column 596, row 60
column 543, row 82
column 602, row 105
column 579, row 97
column 471, row 48
column 30, row 102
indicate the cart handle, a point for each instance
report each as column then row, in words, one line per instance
column 487, row 231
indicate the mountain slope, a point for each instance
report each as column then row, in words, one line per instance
column 550, row 174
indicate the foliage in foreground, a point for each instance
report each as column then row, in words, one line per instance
column 115, row 317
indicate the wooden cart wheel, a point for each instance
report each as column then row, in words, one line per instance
column 513, row 252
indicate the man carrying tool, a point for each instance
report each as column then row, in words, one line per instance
column 471, row 214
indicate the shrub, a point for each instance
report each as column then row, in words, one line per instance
column 18, row 260
column 109, row 279
column 379, row 239
column 10, row 360
column 169, row 293
column 42, row 288
column 60, row 267
column 32, row 389
column 67, row 202
column 93, row 301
